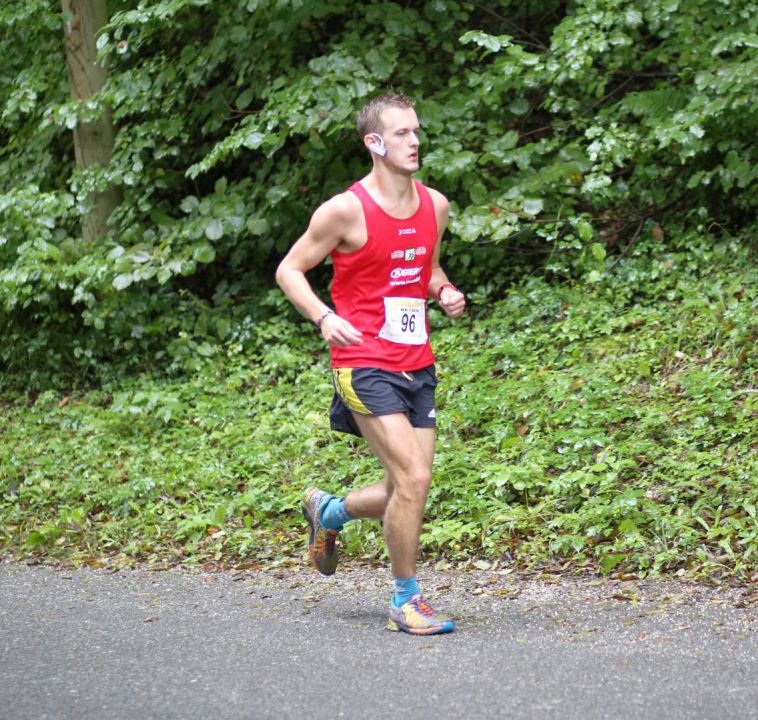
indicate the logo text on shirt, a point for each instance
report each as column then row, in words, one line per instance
column 405, row 276
column 396, row 273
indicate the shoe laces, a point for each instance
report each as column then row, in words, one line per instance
column 424, row 607
column 331, row 537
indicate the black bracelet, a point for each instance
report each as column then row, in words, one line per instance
column 323, row 317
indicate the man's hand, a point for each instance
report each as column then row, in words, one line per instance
column 452, row 301
column 338, row 331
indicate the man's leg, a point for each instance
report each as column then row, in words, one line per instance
column 326, row 514
column 406, row 455
column 371, row 501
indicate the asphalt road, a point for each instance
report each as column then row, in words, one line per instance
column 287, row 643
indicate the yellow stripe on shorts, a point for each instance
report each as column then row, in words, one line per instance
column 343, row 381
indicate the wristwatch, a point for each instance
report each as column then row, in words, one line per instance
column 442, row 287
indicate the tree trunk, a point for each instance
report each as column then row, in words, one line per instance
column 93, row 141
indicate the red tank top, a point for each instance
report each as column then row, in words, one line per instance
column 381, row 288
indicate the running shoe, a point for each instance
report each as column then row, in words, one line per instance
column 418, row 618
column 321, row 546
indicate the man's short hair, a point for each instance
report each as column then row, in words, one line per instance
column 369, row 118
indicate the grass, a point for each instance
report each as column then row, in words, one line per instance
column 608, row 426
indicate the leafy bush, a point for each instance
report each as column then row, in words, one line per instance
column 561, row 132
column 605, row 425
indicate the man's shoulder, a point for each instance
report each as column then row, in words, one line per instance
column 336, row 219
column 437, row 197
column 441, row 204
column 341, row 208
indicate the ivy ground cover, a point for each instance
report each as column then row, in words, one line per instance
column 605, row 425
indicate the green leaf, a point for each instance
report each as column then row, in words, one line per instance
column 492, row 43
column 519, row 107
column 258, row 226
column 253, row 140
column 245, row 98
column 36, row 539
column 609, row 562
column 205, row 349
column 123, row 281
column 532, row 206
column 214, row 230
column 161, row 218
column 697, row 131
column 204, row 253
column 628, row 527
column 461, row 160
column 189, row 204
column 509, row 140
column 633, row 17
column 478, row 193
column 598, row 251
column 223, row 327
column 219, row 515
column 585, row 230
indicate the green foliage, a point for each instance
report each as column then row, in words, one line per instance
column 609, row 426
column 600, row 161
column 618, row 420
column 559, row 131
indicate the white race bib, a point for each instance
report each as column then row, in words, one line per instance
column 404, row 321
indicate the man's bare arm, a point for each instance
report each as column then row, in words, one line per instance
column 325, row 232
column 451, row 300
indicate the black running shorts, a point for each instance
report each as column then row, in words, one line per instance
column 371, row 391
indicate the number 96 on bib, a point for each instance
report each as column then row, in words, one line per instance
column 404, row 321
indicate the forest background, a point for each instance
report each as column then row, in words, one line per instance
column 162, row 403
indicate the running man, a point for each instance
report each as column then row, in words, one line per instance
column 383, row 235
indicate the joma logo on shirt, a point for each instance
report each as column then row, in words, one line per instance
column 406, row 231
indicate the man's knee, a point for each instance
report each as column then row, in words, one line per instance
column 412, row 484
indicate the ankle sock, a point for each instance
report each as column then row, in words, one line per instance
column 333, row 513
column 405, row 589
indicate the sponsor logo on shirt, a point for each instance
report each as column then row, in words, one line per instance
column 406, row 231
column 405, row 276
column 408, row 253
column 404, row 272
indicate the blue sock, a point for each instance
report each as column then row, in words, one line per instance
column 405, row 589
column 333, row 513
